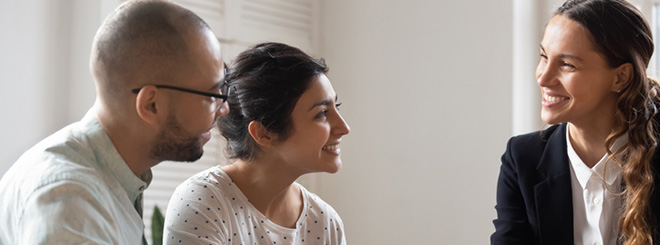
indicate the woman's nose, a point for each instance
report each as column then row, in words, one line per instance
column 341, row 127
column 544, row 75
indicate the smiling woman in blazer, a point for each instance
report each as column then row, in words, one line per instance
column 592, row 177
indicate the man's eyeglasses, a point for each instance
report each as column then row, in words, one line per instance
column 219, row 98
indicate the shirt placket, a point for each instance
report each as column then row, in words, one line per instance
column 594, row 206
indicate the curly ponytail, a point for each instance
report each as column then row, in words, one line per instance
column 636, row 157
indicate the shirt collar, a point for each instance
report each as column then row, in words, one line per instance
column 106, row 154
column 605, row 170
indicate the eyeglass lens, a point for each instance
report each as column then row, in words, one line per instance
column 224, row 89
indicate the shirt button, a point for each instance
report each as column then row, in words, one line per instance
column 597, row 201
column 596, row 243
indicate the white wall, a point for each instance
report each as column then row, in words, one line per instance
column 43, row 69
column 426, row 87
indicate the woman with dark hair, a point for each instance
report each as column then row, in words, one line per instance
column 592, row 177
column 283, row 123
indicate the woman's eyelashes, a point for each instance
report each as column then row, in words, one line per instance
column 322, row 114
column 324, row 111
column 566, row 65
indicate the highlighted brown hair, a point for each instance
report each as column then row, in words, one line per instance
column 620, row 32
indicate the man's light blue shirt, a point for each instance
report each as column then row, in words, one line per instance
column 71, row 188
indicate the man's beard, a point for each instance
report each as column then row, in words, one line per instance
column 172, row 144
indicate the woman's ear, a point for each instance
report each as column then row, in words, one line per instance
column 624, row 75
column 147, row 105
column 260, row 134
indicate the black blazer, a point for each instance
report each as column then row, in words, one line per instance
column 534, row 196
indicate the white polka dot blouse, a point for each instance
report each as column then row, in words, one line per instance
column 209, row 208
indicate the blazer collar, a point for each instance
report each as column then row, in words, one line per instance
column 554, row 160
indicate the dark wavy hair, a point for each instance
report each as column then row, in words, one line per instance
column 268, row 80
column 620, row 32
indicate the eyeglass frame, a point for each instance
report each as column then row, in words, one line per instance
column 214, row 95
column 192, row 91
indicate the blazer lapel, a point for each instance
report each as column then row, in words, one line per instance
column 554, row 197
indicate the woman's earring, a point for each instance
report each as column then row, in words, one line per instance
column 618, row 91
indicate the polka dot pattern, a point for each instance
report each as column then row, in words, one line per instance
column 209, row 209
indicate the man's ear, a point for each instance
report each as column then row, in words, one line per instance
column 624, row 75
column 260, row 134
column 147, row 105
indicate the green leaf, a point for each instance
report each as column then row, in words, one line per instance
column 157, row 225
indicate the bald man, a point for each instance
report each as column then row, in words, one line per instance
column 160, row 86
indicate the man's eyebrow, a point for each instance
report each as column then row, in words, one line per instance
column 222, row 81
column 216, row 85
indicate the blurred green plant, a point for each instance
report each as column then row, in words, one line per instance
column 157, row 225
